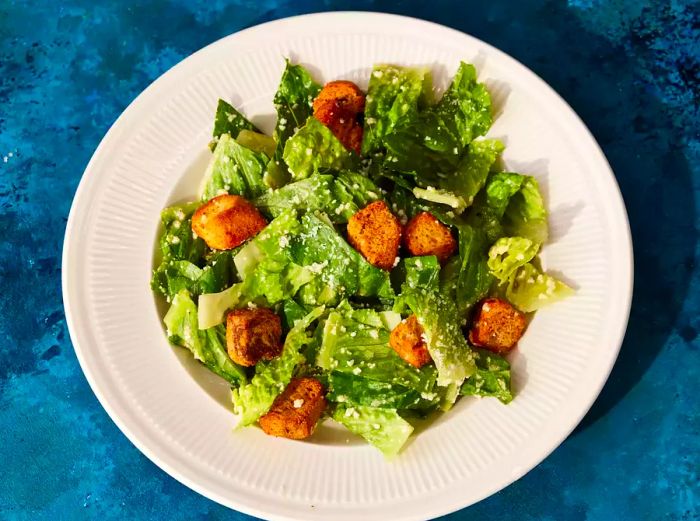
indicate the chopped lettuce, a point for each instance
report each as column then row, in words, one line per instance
column 208, row 346
column 339, row 196
column 435, row 140
column 315, row 149
column 293, row 101
column 253, row 399
column 491, row 378
column 234, row 169
column 393, row 96
column 385, row 429
column 526, row 215
column 213, row 306
column 508, row 254
column 417, row 273
column 442, row 330
column 229, row 121
column 185, row 263
column 529, row 289
column 340, row 270
column 257, row 142
column 357, row 390
column 356, row 342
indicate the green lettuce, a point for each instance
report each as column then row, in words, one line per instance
column 340, row 270
column 186, row 261
column 355, row 342
column 442, row 330
column 234, row 169
column 357, row 390
column 257, row 142
column 529, row 289
column 491, row 378
column 417, row 273
column 255, row 398
column 435, row 140
column 385, row 429
column 393, row 95
column 208, row 346
column 508, row 254
column 293, row 102
column 339, row 196
column 315, row 149
column 526, row 215
column 229, row 121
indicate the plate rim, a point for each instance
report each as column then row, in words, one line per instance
column 88, row 178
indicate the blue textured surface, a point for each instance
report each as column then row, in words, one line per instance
column 631, row 69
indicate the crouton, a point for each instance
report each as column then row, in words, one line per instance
column 339, row 106
column 253, row 335
column 376, row 233
column 425, row 235
column 345, row 94
column 227, row 221
column 407, row 340
column 296, row 411
column 497, row 325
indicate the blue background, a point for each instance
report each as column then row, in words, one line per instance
column 631, row 69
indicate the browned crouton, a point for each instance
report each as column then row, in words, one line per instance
column 343, row 93
column 497, row 325
column 253, row 335
column 295, row 412
column 376, row 233
column 407, row 340
column 227, row 221
column 425, row 235
column 338, row 106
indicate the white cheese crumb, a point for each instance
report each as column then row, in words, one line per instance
column 298, row 403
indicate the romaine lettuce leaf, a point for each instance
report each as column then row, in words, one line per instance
column 184, row 264
column 340, row 269
column 385, row 429
column 417, row 273
column 293, row 102
column 234, row 169
column 257, row 142
column 508, row 254
column 356, row 390
column 253, row 399
column 339, row 196
column 229, row 121
column 356, row 342
column 529, row 289
column 491, row 378
column 526, row 215
column 213, row 306
column 441, row 324
column 435, row 140
column 208, row 346
column 393, row 95
column 315, row 149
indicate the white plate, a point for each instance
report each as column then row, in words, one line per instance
column 177, row 414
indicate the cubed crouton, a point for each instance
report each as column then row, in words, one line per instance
column 339, row 106
column 296, row 411
column 497, row 325
column 407, row 340
column 343, row 93
column 253, row 335
column 376, row 233
column 425, row 235
column 227, row 221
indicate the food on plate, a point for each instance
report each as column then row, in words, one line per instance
column 425, row 235
column 496, row 326
column 369, row 263
column 376, row 233
column 295, row 412
column 407, row 340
